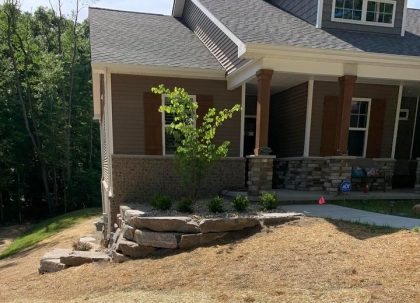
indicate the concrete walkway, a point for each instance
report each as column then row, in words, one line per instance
column 353, row 215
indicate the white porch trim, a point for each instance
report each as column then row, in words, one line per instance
column 110, row 129
column 308, row 118
column 319, row 13
column 96, row 87
column 397, row 120
column 404, row 20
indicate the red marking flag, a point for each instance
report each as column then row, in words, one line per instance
column 321, row 201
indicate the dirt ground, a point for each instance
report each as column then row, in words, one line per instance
column 311, row 260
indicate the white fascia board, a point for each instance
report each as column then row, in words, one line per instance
column 254, row 51
column 244, row 74
column 164, row 71
column 320, row 11
column 178, row 8
column 222, row 27
column 388, row 73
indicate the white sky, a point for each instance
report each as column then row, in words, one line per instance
column 150, row 6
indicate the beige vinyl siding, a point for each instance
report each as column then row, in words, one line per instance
column 287, row 121
column 219, row 44
column 327, row 23
column 373, row 91
column 406, row 130
column 128, row 109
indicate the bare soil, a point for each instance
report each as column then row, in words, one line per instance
column 310, row 260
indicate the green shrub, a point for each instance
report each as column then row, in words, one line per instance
column 162, row 202
column 216, row 205
column 268, row 201
column 185, row 205
column 240, row 203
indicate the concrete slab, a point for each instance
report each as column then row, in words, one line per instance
column 352, row 215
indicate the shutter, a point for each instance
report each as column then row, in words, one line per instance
column 376, row 128
column 329, row 127
column 152, row 124
column 204, row 103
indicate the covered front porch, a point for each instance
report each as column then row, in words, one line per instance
column 322, row 129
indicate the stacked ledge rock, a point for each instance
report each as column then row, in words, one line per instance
column 138, row 236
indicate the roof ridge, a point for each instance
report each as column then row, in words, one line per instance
column 414, row 8
column 124, row 11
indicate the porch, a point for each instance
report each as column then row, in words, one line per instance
column 321, row 128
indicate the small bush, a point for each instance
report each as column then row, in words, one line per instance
column 216, row 205
column 240, row 203
column 185, row 205
column 82, row 246
column 162, row 203
column 268, row 201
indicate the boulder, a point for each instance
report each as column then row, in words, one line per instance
column 134, row 250
column 227, row 224
column 50, row 262
column 416, row 209
column 156, row 239
column 167, row 224
column 130, row 214
column 197, row 240
column 77, row 258
column 128, row 232
column 278, row 218
column 119, row 258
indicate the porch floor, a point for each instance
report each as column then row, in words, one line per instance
column 313, row 196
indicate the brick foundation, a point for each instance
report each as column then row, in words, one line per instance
column 260, row 174
column 137, row 179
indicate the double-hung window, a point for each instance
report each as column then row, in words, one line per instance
column 359, row 126
column 168, row 138
column 370, row 12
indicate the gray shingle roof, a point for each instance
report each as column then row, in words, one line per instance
column 256, row 21
column 146, row 39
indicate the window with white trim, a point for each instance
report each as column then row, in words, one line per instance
column 370, row 12
column 359, row 125
column 404, row 114
column 168, row 138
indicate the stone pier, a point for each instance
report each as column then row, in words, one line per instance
column 260, row 174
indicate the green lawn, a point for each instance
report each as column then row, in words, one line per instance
column 397, row 208
column 45, row 229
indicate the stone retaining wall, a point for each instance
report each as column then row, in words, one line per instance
column 137, row 179
column 317, row 173
column 140, row 236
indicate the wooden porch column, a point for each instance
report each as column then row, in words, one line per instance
column 264, row 77
column 347, row 84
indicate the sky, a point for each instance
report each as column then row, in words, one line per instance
column 149, row 6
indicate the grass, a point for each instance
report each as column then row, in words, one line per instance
column 398, row 208
column 45, row 229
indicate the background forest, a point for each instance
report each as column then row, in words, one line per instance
column 49, row 144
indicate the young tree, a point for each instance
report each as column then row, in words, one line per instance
column 196, row 150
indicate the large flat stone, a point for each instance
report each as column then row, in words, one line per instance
column 77, row 258
column 51, row 265
column 197, row 240
column 119, row 258
column 56, row 254
column 155, row 239
column 167, row 224
column 278, row 218
column 227, row 224
column 130, row 214
column 128, row 232
column 134, row 250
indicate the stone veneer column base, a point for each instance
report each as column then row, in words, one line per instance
column 260, row 174
column 418, row 176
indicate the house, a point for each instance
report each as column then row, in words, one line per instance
column 326, row 84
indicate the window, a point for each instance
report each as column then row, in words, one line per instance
column 168, row 139
column 378, row 12
column 404, row 114
column 359, row 125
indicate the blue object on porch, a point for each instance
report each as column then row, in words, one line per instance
column 345, row 186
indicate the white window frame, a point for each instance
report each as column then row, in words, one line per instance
column 406, row 113
column 194, row 97
column 365, row 129
column 364, row 13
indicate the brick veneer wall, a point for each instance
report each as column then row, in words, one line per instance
column 317, row 173
column 137, row 179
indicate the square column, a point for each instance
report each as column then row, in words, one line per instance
column 264, row 77
column 347, row 84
